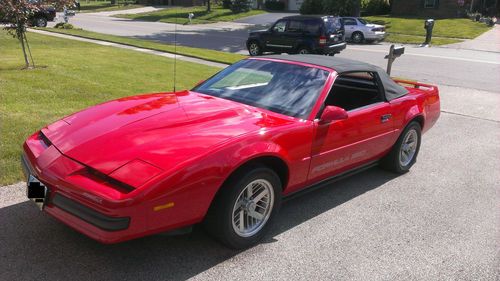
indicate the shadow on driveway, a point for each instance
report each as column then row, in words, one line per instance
column 229, row 40
column 36, row 246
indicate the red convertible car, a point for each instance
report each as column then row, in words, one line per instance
column 226, row 152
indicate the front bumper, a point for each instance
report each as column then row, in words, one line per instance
column 89, row 215
column 378, row 36
column 79, row 206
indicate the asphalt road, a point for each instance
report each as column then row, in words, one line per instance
column 447, row 66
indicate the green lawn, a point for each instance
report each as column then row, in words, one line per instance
column 205, row 54
column 446, row 31
column 74, row 75
column 106, row 6
column 180, row 15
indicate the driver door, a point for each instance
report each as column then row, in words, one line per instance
column 342, row 145
column 276, row 40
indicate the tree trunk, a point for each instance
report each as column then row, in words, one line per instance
column 208, row 5
column 357, row 8
column 21, row 39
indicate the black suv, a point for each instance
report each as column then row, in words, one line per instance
column 300, row 35
column 40, row 17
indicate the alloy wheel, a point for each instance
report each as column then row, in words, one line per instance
column 254, row 49
column 252, row 208
column 408, row 148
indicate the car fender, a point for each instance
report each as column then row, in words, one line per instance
column 412, row 113
column 191, row 192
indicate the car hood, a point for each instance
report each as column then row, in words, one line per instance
column 256, row 32
column 163, row 129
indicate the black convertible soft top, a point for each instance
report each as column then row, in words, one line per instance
column 342, row 65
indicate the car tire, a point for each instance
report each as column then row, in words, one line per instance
column 254, row 48
column 245, row 207
column 303, row 51
column 357, row 37
column 40, row 22
column 404, row 153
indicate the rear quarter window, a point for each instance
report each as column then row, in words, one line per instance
column 312, row 26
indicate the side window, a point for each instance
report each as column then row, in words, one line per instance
column 349, row 21
column 312, row 26
column 430, row 4
column 354, row 90
column 280, row 26
column 294, row 26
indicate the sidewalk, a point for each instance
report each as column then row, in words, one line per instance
column 133, row 48
column 488, row 41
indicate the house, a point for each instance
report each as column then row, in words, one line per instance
column 442, row 8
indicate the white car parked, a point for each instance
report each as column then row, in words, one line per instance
column 358, row 30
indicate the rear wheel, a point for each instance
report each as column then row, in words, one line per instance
column 357, row 37
column 303, row 51
column 241, row 214
column 404, row 153
column 41, row 22
column 254, row 48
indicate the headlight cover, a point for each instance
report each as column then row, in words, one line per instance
column 135, row 173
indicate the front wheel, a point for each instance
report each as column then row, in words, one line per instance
column 241, row 214
column 254, row 49
column 404, row 153
column 357, row 37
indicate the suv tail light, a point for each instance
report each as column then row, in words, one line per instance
column 322, row 40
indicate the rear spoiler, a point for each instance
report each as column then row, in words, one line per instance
column 415, row 84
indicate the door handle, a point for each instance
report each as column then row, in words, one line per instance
column 384, row 118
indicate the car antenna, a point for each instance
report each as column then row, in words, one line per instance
column 175, row 51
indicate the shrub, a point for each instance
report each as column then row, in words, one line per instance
column 274, row 5
column 376, row 7
column 63, row 25
column 239, row 6
column 311, row 7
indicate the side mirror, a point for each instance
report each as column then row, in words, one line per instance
column 332, row 113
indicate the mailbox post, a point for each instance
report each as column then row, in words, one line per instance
column 428, row 25
column 394, row 52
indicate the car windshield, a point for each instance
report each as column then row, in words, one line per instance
column 281, row 87
column 362, row 21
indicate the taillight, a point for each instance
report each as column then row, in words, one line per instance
column 322, row 40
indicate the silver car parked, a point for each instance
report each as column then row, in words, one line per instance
column 359, row 30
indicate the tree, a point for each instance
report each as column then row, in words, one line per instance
column 208, row 5
column 340, row 7
column 18, row 15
